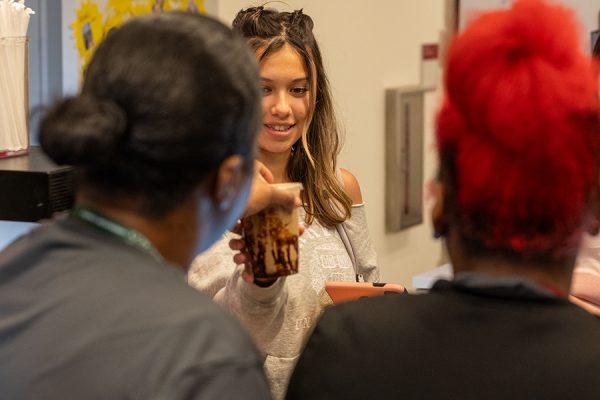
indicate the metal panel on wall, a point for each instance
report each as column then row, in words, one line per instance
column 404, row 157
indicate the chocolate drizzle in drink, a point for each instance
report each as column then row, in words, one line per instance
column 272, row 247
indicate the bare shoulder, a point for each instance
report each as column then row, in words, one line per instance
column 351, row 186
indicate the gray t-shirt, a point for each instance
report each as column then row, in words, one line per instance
column 84, row 315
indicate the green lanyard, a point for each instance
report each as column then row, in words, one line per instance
column 112, row 227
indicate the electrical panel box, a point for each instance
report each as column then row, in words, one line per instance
column 404, row 108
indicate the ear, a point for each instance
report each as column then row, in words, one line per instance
column 438, row 212
column 230, row 180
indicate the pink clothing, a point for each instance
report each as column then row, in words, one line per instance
column 585, row 288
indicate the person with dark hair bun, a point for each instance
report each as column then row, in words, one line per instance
column 518, row 140
column 299, row 142
column 95, row 305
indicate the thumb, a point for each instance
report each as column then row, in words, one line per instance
column 284, row 199
column 263, row 171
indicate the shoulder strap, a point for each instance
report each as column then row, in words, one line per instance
column 341, row 229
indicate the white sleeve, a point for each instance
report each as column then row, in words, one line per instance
column 261, row 310
column 210, row 270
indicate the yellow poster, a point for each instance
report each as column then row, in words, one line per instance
column 183, row 5
column 140, row 7
column 118, row 11
column 94, row 19
column 88, row 30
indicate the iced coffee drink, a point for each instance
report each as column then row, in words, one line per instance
column 271, row 238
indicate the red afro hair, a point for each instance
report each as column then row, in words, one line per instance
column 518, row 129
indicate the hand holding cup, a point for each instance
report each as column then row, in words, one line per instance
column 271, row 238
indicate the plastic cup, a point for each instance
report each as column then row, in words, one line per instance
column 271, row 238
column 14, row 96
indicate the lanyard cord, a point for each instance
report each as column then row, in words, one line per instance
column 115, row 229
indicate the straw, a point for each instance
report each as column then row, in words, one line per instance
column 12, row 128
column 14, row 22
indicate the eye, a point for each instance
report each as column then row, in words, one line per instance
column 299, row 91
column 266, row 90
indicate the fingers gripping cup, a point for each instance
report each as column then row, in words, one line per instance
column 271, row 238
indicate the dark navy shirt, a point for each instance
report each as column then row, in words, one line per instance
column 476, row 337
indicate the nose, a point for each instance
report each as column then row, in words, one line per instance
column 281, row 106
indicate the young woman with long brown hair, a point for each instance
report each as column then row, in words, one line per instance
column 299, row 142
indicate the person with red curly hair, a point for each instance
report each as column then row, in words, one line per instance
column 518, row 143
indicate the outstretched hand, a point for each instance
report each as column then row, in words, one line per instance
column 262, row 195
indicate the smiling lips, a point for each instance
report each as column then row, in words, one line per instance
column 279, row 129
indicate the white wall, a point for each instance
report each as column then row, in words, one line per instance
column 365, row 52
column 587, row 11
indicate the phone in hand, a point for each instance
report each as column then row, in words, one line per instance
column 341, row 292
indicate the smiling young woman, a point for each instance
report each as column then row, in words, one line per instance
column 285, row 107
column 299, row 141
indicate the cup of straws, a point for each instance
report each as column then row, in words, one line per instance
column 14, row 82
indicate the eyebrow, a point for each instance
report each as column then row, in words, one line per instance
column 292, row 81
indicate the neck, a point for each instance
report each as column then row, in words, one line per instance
column 553, row 275
column 172, row 235
column 277, row 164
column 557, row 280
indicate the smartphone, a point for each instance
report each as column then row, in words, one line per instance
column 345, row 291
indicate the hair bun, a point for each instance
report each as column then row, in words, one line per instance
column 82, row 130
column 302, row 22
column 267, row 22
column 248, row 21
column 507, row 69
column 519, row 125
